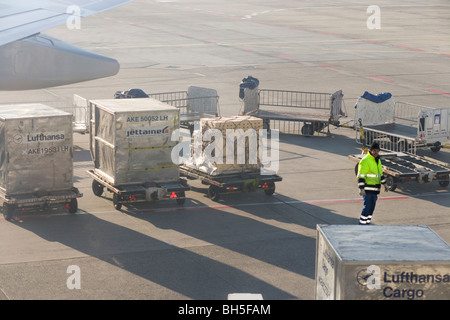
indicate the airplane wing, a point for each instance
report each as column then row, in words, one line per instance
column 31, row 60
column 22, row 18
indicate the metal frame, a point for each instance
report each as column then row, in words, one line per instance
column 11, row 202
column 232, row 182
column 297, row 112
column 137, row 192
column 403, row 167
column 400, row 135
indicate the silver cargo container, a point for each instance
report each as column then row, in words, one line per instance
column 36, row 154
column 131, row 141
column 381, row 262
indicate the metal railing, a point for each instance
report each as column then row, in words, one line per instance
column 407, row 113
column 186, row 104
column 388, row 142
column 283, row 98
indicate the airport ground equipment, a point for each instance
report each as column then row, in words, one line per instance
column 298, row 112
column 226, row 155
column 194, row 104
column 399, row 167
column 381, row 262
column 144, row 192
column 228, row 183
column 400, row 126
column 131, row 146
column 36, row 159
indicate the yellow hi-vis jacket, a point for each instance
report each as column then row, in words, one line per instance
column 370, row 174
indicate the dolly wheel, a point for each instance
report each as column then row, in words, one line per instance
column 390, row 183
column 116, row 203
column 181, row 198
column 444, row 183
column 8, row 211
column 213, row 193
column 271, row 188
column 97, row 188
column 73, row 205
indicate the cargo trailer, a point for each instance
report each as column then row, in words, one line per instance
column 400, row 126
column 131, row 146
column 297, row 112
column 399, row 167
column 225, row 156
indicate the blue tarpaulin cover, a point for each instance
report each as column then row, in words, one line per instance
column 381, row 97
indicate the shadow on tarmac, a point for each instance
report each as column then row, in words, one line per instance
column 194, row 272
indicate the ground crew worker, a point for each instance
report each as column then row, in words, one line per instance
column 370, row 179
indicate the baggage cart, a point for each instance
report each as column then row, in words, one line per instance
column 131, row 146
column 40, row 201
column 298, row 112
column 145, row 192
column 36, row 159
column 399, row 167
column 228, row 183
column 401, row 126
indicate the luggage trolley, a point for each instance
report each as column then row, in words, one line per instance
column 144, row 192
column 232, row 182
column 66, row 199
column 131, row 148
column 400, row 126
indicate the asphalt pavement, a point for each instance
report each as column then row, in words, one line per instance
column 248, row 242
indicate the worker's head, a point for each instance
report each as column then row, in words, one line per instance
column 375, row 149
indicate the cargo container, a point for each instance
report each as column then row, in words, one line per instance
column 36, row 158
column 131, row 146
column 229, row 161
column 377, row 262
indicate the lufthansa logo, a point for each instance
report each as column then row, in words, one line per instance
column 18, row 139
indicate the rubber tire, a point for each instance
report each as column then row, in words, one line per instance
column 97, row 188
column 8, row 211
column 116, row 203
column 307, row 129
column 444, row 183
column 271, row 189
column 73, row 206
column 390, row 183
column 213, row 193
column 182, row 200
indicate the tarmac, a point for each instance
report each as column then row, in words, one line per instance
column 248, row 242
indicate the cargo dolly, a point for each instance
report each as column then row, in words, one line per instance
column 400, row 126
column 67, row 199
column 232, row 182
column 144, row 192
column 399, row 167
column 297, row 112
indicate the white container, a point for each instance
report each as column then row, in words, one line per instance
column 381, row 262
column 131, row 140
column 36, row 149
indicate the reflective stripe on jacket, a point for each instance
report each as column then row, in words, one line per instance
column 370, row 174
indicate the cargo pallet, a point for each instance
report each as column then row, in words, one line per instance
column 139, row 192
column 232, row 182
column 39, row 201
column 402, row 167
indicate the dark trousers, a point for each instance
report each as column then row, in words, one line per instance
column 370, row 199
